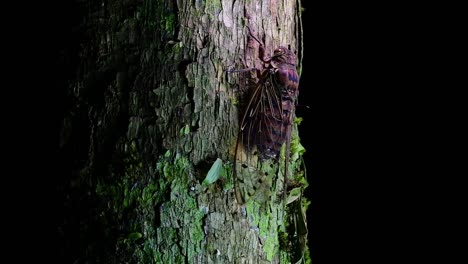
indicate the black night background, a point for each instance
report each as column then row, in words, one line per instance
column 365, row 116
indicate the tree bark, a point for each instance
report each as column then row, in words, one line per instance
column 151, row 109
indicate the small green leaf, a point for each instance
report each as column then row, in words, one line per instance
column 186, row 129
column 294, row 194
column 134, row 236
column 214, row 173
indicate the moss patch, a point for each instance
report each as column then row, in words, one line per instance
column 158, row 218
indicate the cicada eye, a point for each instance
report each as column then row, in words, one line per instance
column 279, row 51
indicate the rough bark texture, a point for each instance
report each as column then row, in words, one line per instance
column 150, row 109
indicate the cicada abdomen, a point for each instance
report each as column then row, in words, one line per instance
column 267, row 121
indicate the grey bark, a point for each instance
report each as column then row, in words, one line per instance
column 151, row 110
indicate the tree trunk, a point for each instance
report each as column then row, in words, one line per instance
column 151, row 110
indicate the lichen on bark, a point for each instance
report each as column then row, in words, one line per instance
column 151, row 108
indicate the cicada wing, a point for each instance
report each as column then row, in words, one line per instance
column 256, row 136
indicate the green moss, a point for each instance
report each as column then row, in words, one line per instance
column 271, row 247
column 138, row 199
column 267, row 227
column 284, row 257
column 306, row 257
column 158, row 258
column 169, row 22
column 213, row 6
column 226, row 176
column 263, row 226
column 157, row 16
column 292, row 231
column 265, row 208
column 181, row 213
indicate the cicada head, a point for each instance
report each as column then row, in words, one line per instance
column 283, row 55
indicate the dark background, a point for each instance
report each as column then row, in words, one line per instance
column 368, row 84
column 344, row 94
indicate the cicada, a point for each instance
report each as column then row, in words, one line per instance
column 268, row 115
